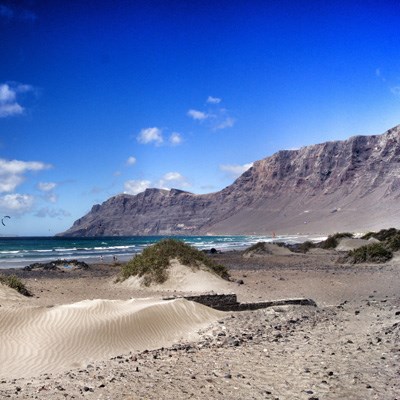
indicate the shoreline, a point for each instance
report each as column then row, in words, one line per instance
column 91, row 249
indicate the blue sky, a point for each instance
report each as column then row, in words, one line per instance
column 100, row 98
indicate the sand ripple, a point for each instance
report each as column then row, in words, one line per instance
column 39, row 340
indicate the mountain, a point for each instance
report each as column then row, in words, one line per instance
column 351, row 185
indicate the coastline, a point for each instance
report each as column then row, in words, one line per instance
column 20, row 252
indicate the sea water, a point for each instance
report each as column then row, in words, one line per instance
column 17, row 252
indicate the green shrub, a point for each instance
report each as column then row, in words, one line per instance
column 382, row 235
column 306, row 246
column 153, row 263
column 256, row 247
column 368, row 235
column 15, row 283
column 393, row 243
column 375, row 252
column 333, row 240
column 330, row 243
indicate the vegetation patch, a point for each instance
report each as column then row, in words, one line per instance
column 306, row 246
column 152, row 264
column 333, row 240
column 390, row 238
column 374, row 252
column 382, row 235
column 393, row 243
column 255, row 248
column 15, row 283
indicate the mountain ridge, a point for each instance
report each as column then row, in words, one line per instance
column 351, row 184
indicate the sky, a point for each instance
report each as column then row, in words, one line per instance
column 109, row 97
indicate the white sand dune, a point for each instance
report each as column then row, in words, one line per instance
column 182, row 278
column 347, row 244
column 10, row 296
column 42, row 340
column 268, row 249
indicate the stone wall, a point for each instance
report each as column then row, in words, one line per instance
column 228, row 302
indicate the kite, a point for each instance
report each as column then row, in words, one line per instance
column 2, row 220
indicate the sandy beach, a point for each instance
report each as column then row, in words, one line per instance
column 81, row 335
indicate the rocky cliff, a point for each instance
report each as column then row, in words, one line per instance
column 335, row 186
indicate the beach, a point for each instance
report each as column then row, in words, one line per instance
column 81, row 335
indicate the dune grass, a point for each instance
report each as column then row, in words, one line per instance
column 15, row 283
column 152, row 264
column 333, row 240
column 256, row 247
column 374, row 252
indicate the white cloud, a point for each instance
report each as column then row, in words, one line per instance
column 175, row 138
column 226, row 123
column 168, row 181
column 197, row 115
column 6, row 94
column 216, row 117
column 173, row 179
column 136, row 186
column 395, row 90
column 150, row 135
column 131, row 161
column 9, row 105
column 12, row 171
column 8, row 110
column 52, row 213
column 20, row 167
column 235, row 170
column 46, row 186
column 16, row 202
column 51, row 197
column 213, row 100
column 173, row 176
column 8, row 183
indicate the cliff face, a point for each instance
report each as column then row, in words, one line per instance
column 328, row 187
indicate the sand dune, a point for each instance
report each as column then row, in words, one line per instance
column 10, row 296
column 184, row 279
column 39, row 340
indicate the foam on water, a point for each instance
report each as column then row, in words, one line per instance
column 19, row 252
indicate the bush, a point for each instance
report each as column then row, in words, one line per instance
column 368, row 235
column 382, row 235
column 306, row 246
column 375, row 252
column 393, row 243
column 153, row 263
column 15, row 283
column 333, row 240
column 256, row 247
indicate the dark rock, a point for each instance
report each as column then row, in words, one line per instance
column 57, row 265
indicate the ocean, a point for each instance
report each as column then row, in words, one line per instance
column 18, row 252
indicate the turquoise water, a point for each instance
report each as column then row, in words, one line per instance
column 22, row 251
